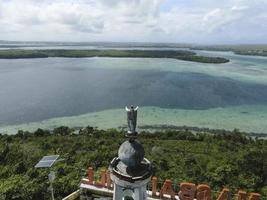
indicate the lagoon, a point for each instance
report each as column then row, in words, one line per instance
column 49, row 92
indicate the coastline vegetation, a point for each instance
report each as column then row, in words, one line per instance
column 175, row 54
column 223, row 159
column 248, row 50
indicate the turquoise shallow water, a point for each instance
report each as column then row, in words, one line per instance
column 246, row 118
column 78, row 92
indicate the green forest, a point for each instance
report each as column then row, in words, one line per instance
column 223, row 159
column 175, row 54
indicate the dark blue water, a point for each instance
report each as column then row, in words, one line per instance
column 38, row 89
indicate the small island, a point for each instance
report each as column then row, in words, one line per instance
column 174, row 54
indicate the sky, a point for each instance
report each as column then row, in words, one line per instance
column 178, row 21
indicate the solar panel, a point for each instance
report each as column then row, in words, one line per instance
column 54, row 157
column 47, row 161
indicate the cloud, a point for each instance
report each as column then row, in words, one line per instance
column 216, row 19
column 205, row 21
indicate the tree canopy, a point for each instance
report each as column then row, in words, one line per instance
column 225, row 159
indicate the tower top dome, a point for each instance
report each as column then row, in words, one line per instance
column 131, row 153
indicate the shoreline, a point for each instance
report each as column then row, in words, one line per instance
column 252, row 52
column 157, row 128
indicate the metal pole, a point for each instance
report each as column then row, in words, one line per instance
column 52, row 191
column 51, row 177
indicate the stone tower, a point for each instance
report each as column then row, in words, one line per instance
column 130, row 171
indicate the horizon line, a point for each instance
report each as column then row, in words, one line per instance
column 136, row 42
